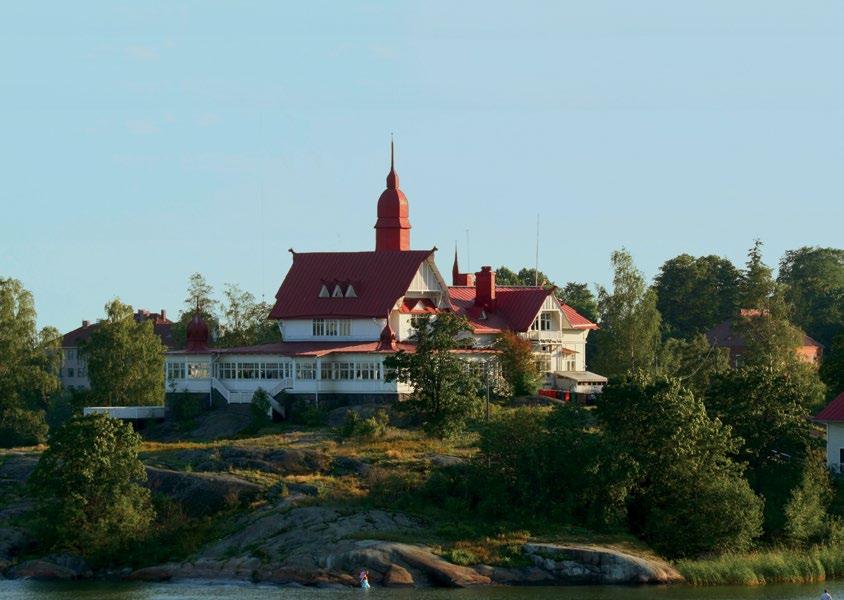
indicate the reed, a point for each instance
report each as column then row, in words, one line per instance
column 781, row 565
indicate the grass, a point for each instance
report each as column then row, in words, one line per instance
column 768, row 566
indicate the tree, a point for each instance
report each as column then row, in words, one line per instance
column 518, row 365
column 557, row 464
column 526, row 277
column 125, row 360
column 246, row 322
column 445, row 392
column 687, row 478
column 580, row 298
column 629, row 335
column 694, row 361
column 29, row 366
column 199, row 298
column 696, row 293
column 814, row 282
column 769, row 409
column 832, row 367
column 757, row 283
column 87, row 491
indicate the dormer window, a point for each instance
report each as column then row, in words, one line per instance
column 323, row 292
column 332, row 327
column 338, row 292
column 542, row 322
column 350, row 292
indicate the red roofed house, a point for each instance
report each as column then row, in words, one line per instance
column 833, row 417
column 724, row 335
column 341, row 313
column 74, row 371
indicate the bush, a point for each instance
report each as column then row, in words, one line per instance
column 354, row 426
column 86, row 486
column 21, row 427
column 261, row 407
column 518, row 364
column 186, row 407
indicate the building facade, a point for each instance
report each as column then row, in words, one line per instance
column 341, row 314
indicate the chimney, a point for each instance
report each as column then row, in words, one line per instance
column 485, row 289
column 163, row 315
column 86, row 323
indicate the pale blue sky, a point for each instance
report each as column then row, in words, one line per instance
column 145, row 141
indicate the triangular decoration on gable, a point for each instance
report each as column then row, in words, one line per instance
column 338, row 292
column 323, row 292
column 350, row 292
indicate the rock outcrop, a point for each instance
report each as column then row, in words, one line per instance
column 202, row 494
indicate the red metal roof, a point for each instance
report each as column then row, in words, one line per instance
column 516, row 308
column 417, row 306
column 725, row 335
column 834, row 411
column 312, row 349
column 379, row 280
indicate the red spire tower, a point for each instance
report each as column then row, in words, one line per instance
column 392, row 229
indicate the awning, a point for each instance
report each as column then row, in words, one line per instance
column 581, row 376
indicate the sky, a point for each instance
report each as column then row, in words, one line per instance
column 143, row 142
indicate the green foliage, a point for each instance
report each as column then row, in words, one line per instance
column 806, row 518
column 769, row 410
column 355, row 426
column 696, row 293
column 814, row 280
column 526, row 276
column 261, row 407
column 580, row 298
column 629, row 335
column 687, row 475
column 554, row 463
column 185, row 407
column 22, row 427
column 693, row 360
column 779, row 565
column 246, row 322
column 29, row 366
column 445, row 394
column 199, row 299
column 757, row 284
column 832, row 367
column 125, row 359
column 87, row 491
column 518, row 364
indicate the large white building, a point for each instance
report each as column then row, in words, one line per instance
column 341, row 313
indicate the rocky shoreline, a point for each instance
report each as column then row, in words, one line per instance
column 283, row 534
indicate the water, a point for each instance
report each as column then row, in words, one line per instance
column 30, row 590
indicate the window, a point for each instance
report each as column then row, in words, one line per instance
column 226, row 370
column 323, row 292
column 543, row 362
column 331, row 327
column 571, row 364
column 198, row 370
column 345, row 370
column 350, row 292
column 338, row 292
column 367, row 370
column 247, row 370
column 70, row 372
column 70, row 354
column 305, row 370
column 542, row 322
column 175, row 370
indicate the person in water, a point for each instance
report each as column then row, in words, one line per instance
column 825, row 595
column 364, row 579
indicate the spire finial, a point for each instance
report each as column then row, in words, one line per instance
column 392, row 177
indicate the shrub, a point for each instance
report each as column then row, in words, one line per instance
column 87, row 491
column 518, row 364
column 366, row 428
column 186, row 407
column 261, row 407
column 21, row 427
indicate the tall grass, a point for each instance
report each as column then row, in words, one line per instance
column 768, row 566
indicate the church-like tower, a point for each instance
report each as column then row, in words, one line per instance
column 392, row 230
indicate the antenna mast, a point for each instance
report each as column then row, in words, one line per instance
column 536, row 269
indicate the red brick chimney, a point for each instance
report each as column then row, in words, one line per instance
column 485, row 289
column 86, row 323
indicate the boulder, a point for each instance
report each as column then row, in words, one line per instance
column 46, row 570
column 153, row 574
column 397, row 576
column 202, row 494
column 346, row 465
column 596, row 565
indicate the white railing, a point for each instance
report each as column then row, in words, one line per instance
column 223, row 390
column 126, row 412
